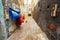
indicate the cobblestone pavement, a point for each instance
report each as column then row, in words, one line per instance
column 28, row 31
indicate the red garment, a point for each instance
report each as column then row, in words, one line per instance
column 20, row 20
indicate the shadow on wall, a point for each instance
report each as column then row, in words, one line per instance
column 42, row 15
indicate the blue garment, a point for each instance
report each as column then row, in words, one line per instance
column 14, row 14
